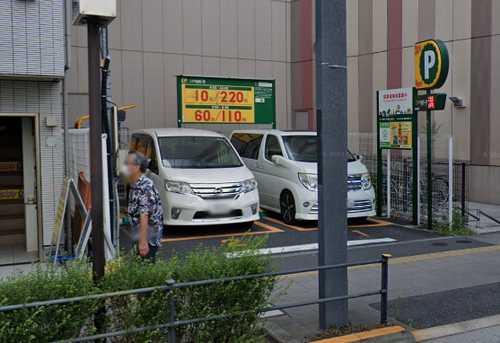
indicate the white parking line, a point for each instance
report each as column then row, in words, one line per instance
column 306, row 247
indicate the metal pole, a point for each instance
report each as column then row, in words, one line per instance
column 380, row 170
column 415, row 165
column 384, row 288
column 172, row 312
column 462, row 200
column 331, row 102
column 388, row 184
column 450, row 181
column 429, row 167
column 417, row 183
column 95, row 139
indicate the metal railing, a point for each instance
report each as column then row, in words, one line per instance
column 173, row 322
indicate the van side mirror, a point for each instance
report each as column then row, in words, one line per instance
column 277, row 159
column 359, row 157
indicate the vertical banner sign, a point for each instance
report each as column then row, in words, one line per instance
column 395, row 118
column 205, row 100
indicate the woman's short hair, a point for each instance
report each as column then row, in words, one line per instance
column 139, row 160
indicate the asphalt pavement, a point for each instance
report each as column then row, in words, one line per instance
column 426, row 290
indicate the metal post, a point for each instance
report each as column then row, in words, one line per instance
column 450, row 181
column 380, row 170
column 429, row 168
column 172, row 312
column 417, row 183
column 384, row 288
column 415, row 165
column 331, row 102
column 93, row 28
column 464, row 178
column 389, row 176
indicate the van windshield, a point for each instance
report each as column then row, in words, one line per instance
column 305, row 149
column 197, row 153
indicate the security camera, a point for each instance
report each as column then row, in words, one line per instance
column 458, row 102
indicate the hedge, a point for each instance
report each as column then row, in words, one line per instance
column 60, row 322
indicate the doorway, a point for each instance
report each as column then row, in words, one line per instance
column 19, row 229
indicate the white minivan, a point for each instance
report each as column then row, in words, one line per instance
column 201, row 178
column 285, row 166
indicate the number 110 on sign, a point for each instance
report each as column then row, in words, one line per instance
column 220, row 116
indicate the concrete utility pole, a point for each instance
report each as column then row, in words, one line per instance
column 95, row 138
column 331, row 102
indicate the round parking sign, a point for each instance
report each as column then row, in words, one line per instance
column 431, row 64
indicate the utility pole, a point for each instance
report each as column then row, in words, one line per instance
column 331, row 103
column 95, row 138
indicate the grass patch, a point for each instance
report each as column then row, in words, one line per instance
column 458, row 226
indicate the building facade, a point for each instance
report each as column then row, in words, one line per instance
column 32, row 164
column 381, row 37
column 153, row 41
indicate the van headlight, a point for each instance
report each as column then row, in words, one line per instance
column 309, row 181
column 366, row 182
column 248, row 185
column 178, row 187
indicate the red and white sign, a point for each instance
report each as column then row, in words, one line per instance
column 392, row 102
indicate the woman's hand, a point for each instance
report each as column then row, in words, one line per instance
column 143, row 248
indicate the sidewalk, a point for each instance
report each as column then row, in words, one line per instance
column 486, row 335
column 425, row 291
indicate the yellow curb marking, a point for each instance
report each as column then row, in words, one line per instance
column 268, row 229
column 365, row 335
column 376, row 223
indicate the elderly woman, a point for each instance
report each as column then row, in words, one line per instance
column 144, row 206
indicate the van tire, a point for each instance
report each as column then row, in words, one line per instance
column 287, row 207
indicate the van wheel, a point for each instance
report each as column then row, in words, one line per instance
column 287, row 206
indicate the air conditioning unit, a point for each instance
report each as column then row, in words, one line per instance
column 101, row 10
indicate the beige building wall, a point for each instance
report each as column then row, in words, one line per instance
column 153, row 41
column 369, row 25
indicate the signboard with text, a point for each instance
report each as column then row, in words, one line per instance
column 395, row 118
column 206, row 100
column 431, row 64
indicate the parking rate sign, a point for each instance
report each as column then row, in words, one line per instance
column 225, row 101
column 431, row 64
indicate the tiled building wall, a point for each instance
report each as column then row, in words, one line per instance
column 44, row 98
column 32, row 38
column 32, row 48
column 152, row 41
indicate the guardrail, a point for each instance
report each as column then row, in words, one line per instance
column 173, row 322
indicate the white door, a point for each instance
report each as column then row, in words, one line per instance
column 29, row 175
column 270, row 174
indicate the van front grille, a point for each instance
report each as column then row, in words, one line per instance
column 361, row 206
column 216, row 191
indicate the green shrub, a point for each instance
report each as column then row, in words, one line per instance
column 58, row 322
column 48, row 323
column 244, row 297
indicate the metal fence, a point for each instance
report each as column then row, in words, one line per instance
column 397, row 196
column 172, row 321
